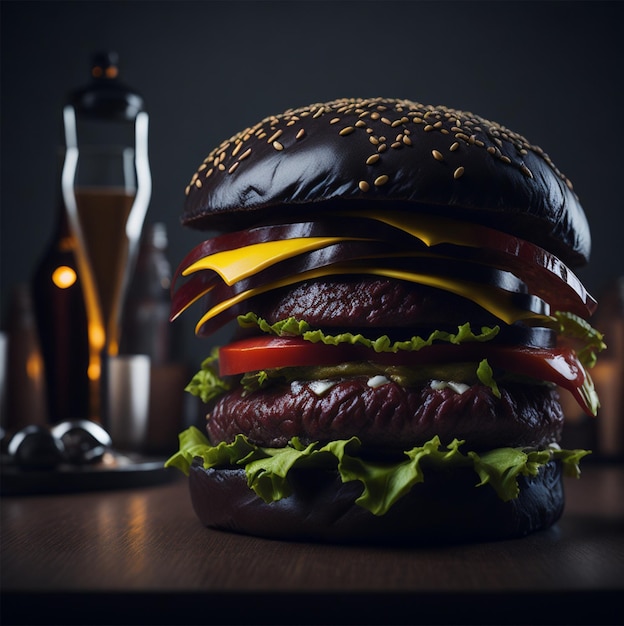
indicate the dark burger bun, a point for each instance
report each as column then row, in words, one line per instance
column 388, row 154
column 444, row 508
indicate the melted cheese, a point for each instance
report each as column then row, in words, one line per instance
column 240, row 263
column 429, row 229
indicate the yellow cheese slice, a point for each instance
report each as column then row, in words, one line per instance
column 490, row 298
column 240, row 263
column 431, row 230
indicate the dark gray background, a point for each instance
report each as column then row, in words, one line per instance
column 549, row 70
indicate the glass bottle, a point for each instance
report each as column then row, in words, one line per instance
column 61, row 320
column 25, row 379
column 145, row 327
column 106, row 186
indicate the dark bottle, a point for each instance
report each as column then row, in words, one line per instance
column 145, row 324
column 62, row 326
column 25, row 381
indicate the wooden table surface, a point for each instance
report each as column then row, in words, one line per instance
column 134, row 556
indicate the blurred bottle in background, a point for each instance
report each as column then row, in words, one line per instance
column 604, row 434
column 608, row 375
column 61, row 321
column 25, row 371
column 146, row 330
column 145, row 326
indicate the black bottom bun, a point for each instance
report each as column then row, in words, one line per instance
column 446, row 508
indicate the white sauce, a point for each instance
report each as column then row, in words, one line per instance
column 444, row 384
column 320, row 387
column 377, row 381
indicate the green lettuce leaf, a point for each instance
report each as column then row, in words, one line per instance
column 575, row 327
column 383, row 484
column 293, row 327
column 206, row 383
column 486, row 377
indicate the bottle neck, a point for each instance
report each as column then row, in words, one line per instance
column 63, row 239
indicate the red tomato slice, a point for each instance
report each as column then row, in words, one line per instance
column 557, row 365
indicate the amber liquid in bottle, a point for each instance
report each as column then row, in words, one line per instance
column 103, row 214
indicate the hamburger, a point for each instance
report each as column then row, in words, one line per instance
column 396, row 283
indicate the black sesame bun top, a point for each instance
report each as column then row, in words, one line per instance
column 379, row 151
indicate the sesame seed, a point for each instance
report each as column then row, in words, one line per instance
column 277, row 145
column 275, row 136
column 221, row 167
column 381, row 180
column 198, row 183
column 397, row 123
column 458, row 173
column 454, row 146
column 300, row 134
column 491, row 149
column 428, row 127
column 375, row 115
column 385, row 120
column 347, row 130
column 373, row 158
column 363, row 185
column 437, row 155
column 237, row 148
column 505, row 159
column 396, row 144
column 407, row 141
column 373, row 140
column 360, row 124
column 209, row 172
column 382, row 147
column 334, row 120
column 245, row 154
column 438, row 125
column 526, row 171
column 233, row 167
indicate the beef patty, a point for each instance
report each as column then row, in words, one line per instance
column 361, row 301
column 389, row 416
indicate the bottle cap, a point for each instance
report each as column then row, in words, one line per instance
column 106, row 97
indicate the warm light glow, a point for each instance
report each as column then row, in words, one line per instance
column 97, row 337
column 93, row 371
column 34, row 366
column 64, row 277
